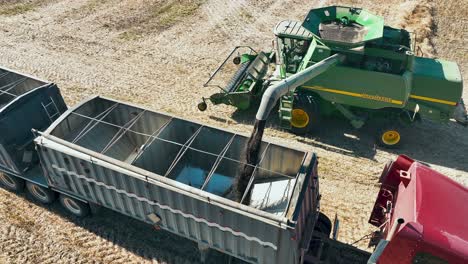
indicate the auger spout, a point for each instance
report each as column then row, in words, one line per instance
column 273, row 93
column 269, row 99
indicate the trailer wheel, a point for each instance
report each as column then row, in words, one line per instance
column 75, row 207
column 304, row 115
column 323, row 225
column 389, row 137
column 41, row 194
column 12, row 183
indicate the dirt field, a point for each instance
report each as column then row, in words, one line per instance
column 158, row 54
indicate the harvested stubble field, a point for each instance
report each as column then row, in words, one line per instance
column 158, row 54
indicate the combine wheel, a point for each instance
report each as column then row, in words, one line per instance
column 41, row 194
column 202, row 106
column 11, row 183
column 389, row 137
column 236, row 60
column 304, row 115
column 75, row 207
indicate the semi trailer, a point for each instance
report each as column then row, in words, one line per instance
column 160, row 169
column 176, row 175
column 342, row 62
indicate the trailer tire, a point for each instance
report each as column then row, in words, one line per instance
column 305, row 114
column 41, row 194
column 75, row 207
column 12, row 183
column 323, row 225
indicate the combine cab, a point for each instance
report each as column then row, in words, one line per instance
column 378, row 79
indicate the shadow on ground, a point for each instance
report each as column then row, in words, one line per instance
column 138, row 237
column 429, row 142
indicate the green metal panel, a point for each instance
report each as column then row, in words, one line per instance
column 373, row 25
column 362, row 88
column 437, row 87
column 321, row 52
column 308, row 57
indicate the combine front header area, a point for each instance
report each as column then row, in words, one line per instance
column 380, row 80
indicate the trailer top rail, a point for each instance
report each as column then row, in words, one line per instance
column 174, row 151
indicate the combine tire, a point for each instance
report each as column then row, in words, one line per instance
column 41, row 194
column 304, row 115
column 390, row 137
column 202, row 106
column 11, row 183
column 75, row 207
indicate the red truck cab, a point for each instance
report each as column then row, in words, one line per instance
column 422, row 216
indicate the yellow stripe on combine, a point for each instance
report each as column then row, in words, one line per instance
column 440, row 101
column 365, row 96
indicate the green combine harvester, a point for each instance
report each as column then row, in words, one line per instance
column 341, row 61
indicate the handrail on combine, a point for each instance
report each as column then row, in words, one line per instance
column 222, row 65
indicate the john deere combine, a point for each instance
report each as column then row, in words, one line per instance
column 345, row 61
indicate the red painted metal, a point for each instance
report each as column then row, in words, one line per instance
column 434, row 208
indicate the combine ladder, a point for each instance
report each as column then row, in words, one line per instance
column 285, row 111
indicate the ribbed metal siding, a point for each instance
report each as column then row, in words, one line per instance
column 308, row 202
column 6, row 164
column 137, row 197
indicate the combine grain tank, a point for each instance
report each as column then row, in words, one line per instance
column 25, row 102
column 178, row 174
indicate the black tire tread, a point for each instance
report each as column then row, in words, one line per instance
column 85, row 208
column 20, row 183
column 52, row 196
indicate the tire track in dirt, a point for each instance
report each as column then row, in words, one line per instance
column 418, row 18
column 116, row 241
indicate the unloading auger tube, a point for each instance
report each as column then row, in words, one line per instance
column 274, row 92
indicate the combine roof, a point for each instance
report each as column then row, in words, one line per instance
column 292, row 29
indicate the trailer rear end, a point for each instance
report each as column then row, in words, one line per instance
column 178, row 174
column 25, row 102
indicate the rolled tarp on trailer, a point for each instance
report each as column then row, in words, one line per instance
column 178, row 174
column 25, row 102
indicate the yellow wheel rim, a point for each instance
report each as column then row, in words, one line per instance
column 391, row 137
column 299, row 118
